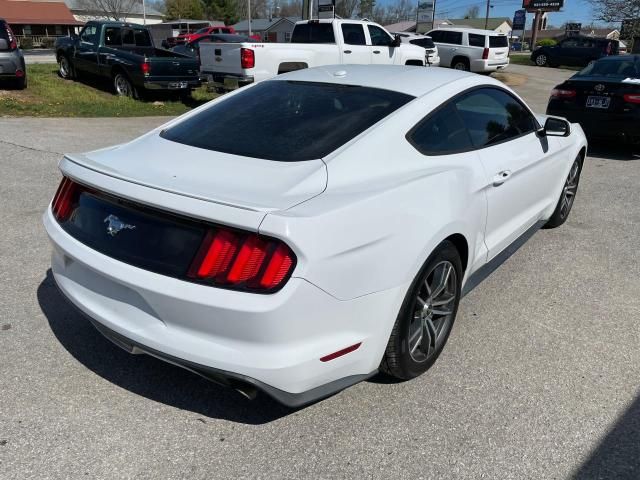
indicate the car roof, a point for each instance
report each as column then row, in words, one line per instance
column 411, row 80
column 477, row 31
column 409, row 35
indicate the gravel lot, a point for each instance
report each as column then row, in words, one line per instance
column 539, row 379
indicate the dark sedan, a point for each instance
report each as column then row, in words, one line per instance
column 193, row 48
column 604, row 99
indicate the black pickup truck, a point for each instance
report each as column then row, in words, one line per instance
column 125, row 54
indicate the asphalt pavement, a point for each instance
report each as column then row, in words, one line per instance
column 539, row 379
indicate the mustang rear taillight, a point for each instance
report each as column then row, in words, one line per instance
column 65, row 199
column 562, row 93
column 632, row 98
column 243, row 260
column 247, row 58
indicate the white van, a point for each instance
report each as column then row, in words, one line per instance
column 482, row 51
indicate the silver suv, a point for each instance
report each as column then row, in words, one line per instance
column 12, row 67
column 481, row 51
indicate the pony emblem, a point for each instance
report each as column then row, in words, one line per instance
column 115, row 225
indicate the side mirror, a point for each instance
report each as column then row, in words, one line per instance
column 396, row 41
column 555, row 127
column 4, row 45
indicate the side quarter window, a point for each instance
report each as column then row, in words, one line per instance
column 440, row 133
column 492, row 115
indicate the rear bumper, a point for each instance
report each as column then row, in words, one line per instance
column 601, row 125
column 172, row 84
column 271, row 342
column 9, row 66
column 225, row 81
column 489, row 65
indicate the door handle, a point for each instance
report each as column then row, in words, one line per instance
column 347, row 51
column 501, row 177
column 376, row 51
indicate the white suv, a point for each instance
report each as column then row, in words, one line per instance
column 433, row 59
column 481, row 51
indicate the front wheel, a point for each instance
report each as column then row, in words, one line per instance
column 568, row 195
column 427, row 315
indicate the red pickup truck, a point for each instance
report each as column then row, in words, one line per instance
column 189, row 37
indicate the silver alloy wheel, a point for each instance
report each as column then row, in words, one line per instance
column 63, row 67
column 570, row 189
column 460, row 66
column 433, row 311
column 123, row 86
column 541, row 60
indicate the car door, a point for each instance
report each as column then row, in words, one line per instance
column 521, row 169
column 450, row 46
column 567, row 51
column 382, row 53
column 86, row 57
column 356, row 50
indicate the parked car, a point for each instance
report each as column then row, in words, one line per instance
column 313, row 43
column 190, row 37
column 318, row 227
column 574, row 51
column 481, row 51
column 433, row 60
column 192, row 48
column 12, row 67
column 125, row 54
column 604, row 98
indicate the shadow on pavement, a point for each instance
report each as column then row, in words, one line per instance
column 618, row 455
column 144, row 375
column 611, row 151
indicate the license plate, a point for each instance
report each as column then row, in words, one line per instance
column 598, row 102
column 178, row 85
column 230, row 83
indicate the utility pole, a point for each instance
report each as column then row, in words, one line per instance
column 144, row 13
column 486, row 17
column 249, row 14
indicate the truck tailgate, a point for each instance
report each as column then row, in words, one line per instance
column 222, row 57
column 173, row 66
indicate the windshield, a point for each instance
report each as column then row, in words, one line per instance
column 619, row 67
column 423, row 42
column 203, row 30
column 287, row 121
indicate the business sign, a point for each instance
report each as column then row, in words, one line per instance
column 425, row 15
column 545, row 5
column 519, row 20
column 326, row 8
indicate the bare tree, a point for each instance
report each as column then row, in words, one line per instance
column 472, row 12
column 346, row 8
column 111, row 9
column 617, row 11
column 401, row 10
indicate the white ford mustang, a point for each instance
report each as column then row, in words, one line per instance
column 299, row 235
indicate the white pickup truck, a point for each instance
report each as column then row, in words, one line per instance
column 228, row 66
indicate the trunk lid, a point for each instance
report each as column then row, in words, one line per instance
column 222, row 57
column 248, row 183
column 602, row 87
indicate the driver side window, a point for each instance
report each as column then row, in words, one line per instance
column 378, row 36
column 441, row 133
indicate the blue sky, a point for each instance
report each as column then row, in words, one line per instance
column 574, row 10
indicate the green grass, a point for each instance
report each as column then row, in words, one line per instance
column 48, row 95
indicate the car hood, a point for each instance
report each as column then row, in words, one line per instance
column 231, row 180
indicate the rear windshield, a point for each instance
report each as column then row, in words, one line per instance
column 498, row 41
column 117, row 37
column 423, row 42
column 287, row 121
column 4, row 35
column 313, row 33
column 619, row 67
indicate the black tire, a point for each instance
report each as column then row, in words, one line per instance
column 460, row 63
column 541, row 60
column 21, row 83
column 65, row 69
column 123, row 86
column 567, row 197
column 401, row 360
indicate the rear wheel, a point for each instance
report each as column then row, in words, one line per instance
column 568, row 195
column 123, row 85
column 427, row 315
column 21, row 83
column 541, row 60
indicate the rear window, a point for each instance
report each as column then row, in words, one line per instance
column 4, row 35
column 476, row 40
column 313, row 33
column 423, row 42
column 620, row 68
column 498, row 41
column 287, row 121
